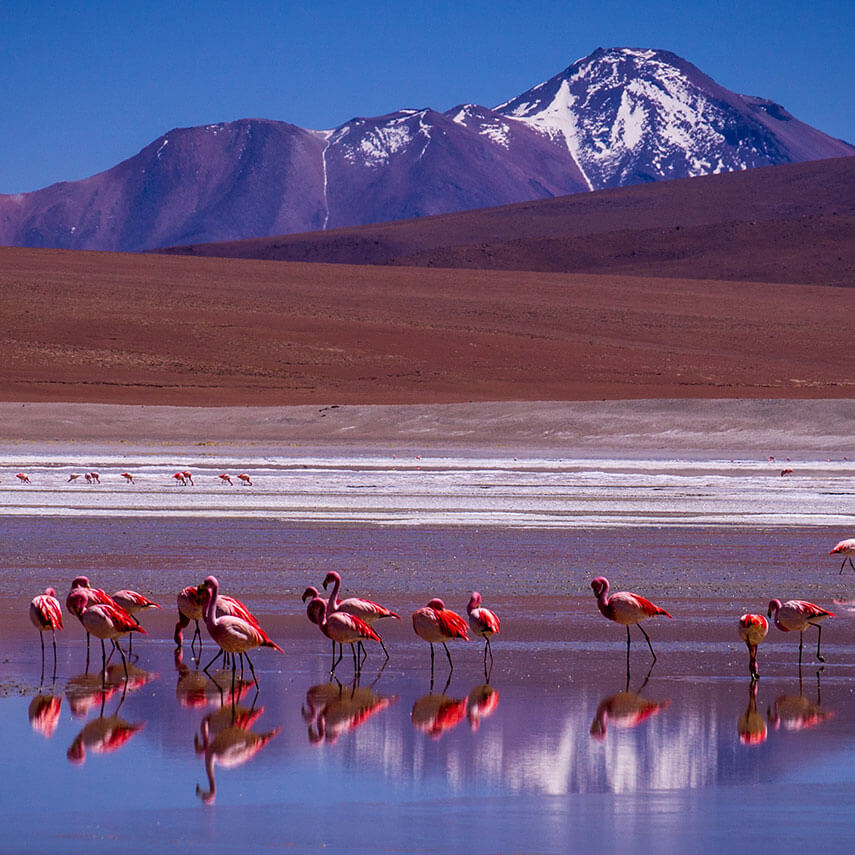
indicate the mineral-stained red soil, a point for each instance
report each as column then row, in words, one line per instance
column 154, row 329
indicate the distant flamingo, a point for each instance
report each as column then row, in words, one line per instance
column 133, row 602
column 92, row 478
column 245, row 479
column 752, row 630
column 482, row 622
column 73, row 477
column 232, row 634
column 342, row 628
column 103, row 621
column 846, row 548
column 179, row 477
column 625, row 608
column 46, row 616
column 23, row 478
column 225, row 478
column 797, row 616
column 188, row 477
column 436, row 624
column 364, row 609
column 128, row 477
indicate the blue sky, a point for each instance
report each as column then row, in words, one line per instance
column 84, row 85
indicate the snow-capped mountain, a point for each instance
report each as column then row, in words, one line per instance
column 619, row 116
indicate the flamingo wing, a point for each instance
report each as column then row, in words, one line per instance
column 644, row 605
column 809, row 611
column 121, row 620
column 451, row 624
column 365, row 609
column 48, row 611
column 487, row 621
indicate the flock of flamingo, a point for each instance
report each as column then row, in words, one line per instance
column 183, row 477
column 349, row 621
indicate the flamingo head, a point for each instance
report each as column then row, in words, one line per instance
column 76, row 602
column 50, row 592
column 474, row 601
column 80, row 582
column 436, row 604
column 774, row 605
column 600, row 586
column 211, row 584
column 309, row 594
column 316, row 611
column 331, row 578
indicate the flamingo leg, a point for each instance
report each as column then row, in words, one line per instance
column 647, row 637
column 124, row 663
column 801, row 640
column 340, row 655
column 42, row 640
column 103, row 662
column 431, row 663
column 213, row 660
column 354, row 649
column 627, row 644
column 448, row 654
column 383, row 645
column 252, row 670
column 819, row 642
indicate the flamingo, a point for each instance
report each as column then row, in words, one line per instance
column 846, row 548
column 364, row 609
column 46, row 616
column 435, row 623
column 189, row 602
column 93, row 595
column 92, row 478
column 103, row 620
column 797, row 616
column 232, row 634
column 308, row 595
column 482, row 622
column 188, row 477
column 752, row 630
column 73, row 477
column 625, row 608
column 245, row 479
column 225, row 478
column 133, row 602
column 128, row 477
column 179, row 477
column 341, row 627
column 24, row 479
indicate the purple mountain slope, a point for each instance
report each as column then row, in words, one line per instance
column 617, row 117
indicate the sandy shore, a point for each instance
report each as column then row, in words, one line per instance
column 621, row 428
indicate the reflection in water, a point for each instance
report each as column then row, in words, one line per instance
column 435, row 714
column 101, row 736
column 796, row 712
column 195, row 689
column 86, row 691
column 751, row 725
column 481, row 703
column 332, row 709
column 43, row 713
column 625, row 709
column 225, row 738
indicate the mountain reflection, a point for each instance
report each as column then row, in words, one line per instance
column 226, row 740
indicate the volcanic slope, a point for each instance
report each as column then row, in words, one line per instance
column 790, row 224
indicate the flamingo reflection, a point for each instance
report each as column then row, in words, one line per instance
column 225, row 738
column 43, row 714
column 102, row 735
column 332, row 709
column 195, row 689
column 796, row 712
column 481, row 703
column 434, row 714
column 86, row 691
column 625, row 710
column 751, row 726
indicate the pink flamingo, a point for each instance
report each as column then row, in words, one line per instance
column 625, row 608
column 179, row 477
column 25, row 479
column 188, row 477
column 245, row 479
column 225, row 478
column 482, row 622
column 92, row 478
column 73, row 477
column 189, row 602
column 232, row 634
column 342, row 628
column 752, row 630
column 92, row 595
column 436, row 624
column 128, row 477
column 103, row 620
column 308, row 595
column 46, row 616
column 846, row 548
column 133, row 602
column 797, row 616
column 366, row 610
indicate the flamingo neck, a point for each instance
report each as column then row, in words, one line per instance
column 210, row 610
column 332, row 603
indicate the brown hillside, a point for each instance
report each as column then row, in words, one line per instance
column 154, row 329
column 793, row 224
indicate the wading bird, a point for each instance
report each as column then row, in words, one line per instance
column 436, row 624
column 846, row 548
column 482, row 622
column 133, row 602
column 625, row 608
column 342, row 628
column 128, row 477
column 46, row 616
column 752, row 630
column 24, row 479
column 225, row 478
column 366, row 610
column 797, row 616
column 245, row 479
column 190, row 601
column 232, row 634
